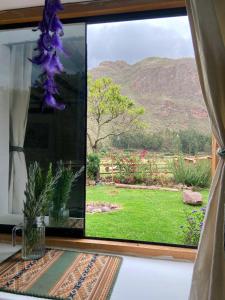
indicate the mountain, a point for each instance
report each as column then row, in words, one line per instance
column 169, row 90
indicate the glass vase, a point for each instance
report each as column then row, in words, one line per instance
column 58, row 216
column 33, row 238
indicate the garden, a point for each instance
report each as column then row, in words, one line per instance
column 143, row 183
column 147, row 190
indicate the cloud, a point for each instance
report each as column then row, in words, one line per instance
column 135, row 40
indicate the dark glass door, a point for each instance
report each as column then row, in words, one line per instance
column 53, row 136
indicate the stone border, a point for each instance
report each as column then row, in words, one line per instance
column 146, row 187
column 92, row 207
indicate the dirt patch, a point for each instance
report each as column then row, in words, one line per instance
column 113, row 193
column 101, row 207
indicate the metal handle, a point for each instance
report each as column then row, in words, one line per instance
column 14, row 230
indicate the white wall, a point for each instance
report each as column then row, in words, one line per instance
column 4, row 127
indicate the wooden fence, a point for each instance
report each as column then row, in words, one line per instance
column 157, row 165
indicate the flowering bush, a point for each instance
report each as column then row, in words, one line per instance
column 191, row 231
column 134, row 169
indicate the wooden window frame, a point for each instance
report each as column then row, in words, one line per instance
column 123, row 248
column 103, row 10
column 89, row 9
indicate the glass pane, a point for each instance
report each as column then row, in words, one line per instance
column 47, row 136
column 149, row 144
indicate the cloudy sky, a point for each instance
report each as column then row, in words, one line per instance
column 135, row 40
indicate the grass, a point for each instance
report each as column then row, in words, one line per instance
column 146, row 215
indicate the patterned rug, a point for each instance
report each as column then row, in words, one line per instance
column 61, row 274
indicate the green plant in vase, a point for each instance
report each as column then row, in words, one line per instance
column 59, row 213
column 38, row 193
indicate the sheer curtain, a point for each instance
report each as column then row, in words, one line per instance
column 207, row 19
column 4, row 127
column 21, row 69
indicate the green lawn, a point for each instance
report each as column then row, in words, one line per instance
column 146, row 215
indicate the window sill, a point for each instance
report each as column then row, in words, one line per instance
column 125, row 248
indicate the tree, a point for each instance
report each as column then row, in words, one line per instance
column 109, row 112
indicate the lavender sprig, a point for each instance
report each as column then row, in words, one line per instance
column 48, row 47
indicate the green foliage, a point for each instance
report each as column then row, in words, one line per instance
column 109, row 112
column 62, row 190
column 138, row 140
column 38, row 191
column 191, row 174
column 185, row 141
column 191, row 231
column 93, row 166
column 193, row 142
column 131, row 169
column 46, row 189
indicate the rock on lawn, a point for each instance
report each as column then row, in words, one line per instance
column 192, row 198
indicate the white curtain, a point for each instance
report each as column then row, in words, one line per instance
column 207, row 19
column 4, row 127
column 21, row 69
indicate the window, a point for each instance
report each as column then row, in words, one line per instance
column 149, row 128
column 51, row 136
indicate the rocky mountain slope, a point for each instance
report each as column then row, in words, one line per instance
column 169, row 90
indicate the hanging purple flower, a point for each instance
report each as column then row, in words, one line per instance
column 49, row 100
column 48, row 46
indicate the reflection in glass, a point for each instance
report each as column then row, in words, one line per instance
column 29, row 133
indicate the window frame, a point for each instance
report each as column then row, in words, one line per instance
column 156, row 9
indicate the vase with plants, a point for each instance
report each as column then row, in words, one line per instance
column 38, row 191
column 59, row 212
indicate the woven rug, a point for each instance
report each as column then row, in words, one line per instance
column 61, row 275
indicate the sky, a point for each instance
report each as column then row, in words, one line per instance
column 133, row 41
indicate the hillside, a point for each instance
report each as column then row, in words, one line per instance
column 169, row 90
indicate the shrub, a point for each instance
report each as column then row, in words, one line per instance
column 93, row 166
column 190, row 174
column 126, row 166
column 191, row 231
column 132, row 169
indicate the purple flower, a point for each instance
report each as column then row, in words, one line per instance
column 45, row 42
column 57, row 42
column 55, row 5
column 50, row 86
column 48, row 45
column 50, row 101
column 56, row 26
column 41, row 59
column 53, row 66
